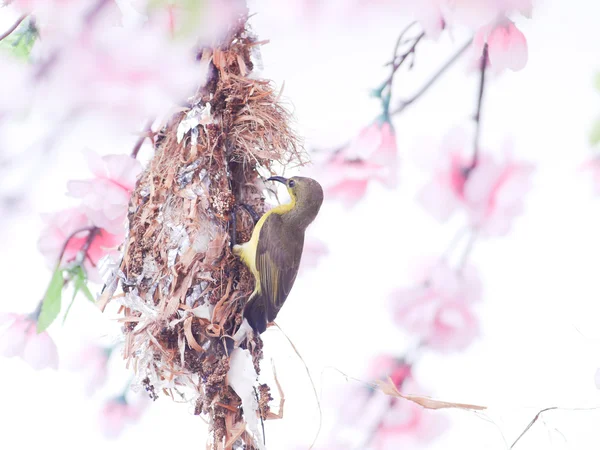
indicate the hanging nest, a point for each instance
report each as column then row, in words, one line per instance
column 183, row 289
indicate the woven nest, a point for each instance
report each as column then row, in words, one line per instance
column 183, row 290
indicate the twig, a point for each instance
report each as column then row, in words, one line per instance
column 312, row 384
column 91, row 15
column 71, row 236
column 13, row 27
column 145, row 134
column 399, row 42
column 397, row 65
column 535, row 419
column 468, row 249
column 86, row 245
column 482, row 67
column 405, row 103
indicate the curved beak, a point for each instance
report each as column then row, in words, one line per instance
column 280, row 179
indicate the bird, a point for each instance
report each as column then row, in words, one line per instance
column 274, row 250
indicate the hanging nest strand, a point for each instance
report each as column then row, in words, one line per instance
column 183, row 288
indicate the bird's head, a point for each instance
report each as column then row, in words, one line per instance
column 306, row 194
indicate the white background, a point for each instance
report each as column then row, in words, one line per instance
column 540, row 311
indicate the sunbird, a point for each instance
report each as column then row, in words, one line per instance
column 274, row 251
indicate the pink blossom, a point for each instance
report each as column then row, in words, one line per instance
column 206, row 23
column 439, row 311
column 117, row 413
column 314, row 250
column 60, row 19
column 375, row 420
column 479, row 13
column 92, row 363
column 15, row 90
column 60, row 226
column 105, row 199
column 407, row 424
column 20, row 338
column 428, row 13
column 372, row 155
column 120, row 72
column 383, row 367
column 593, row 166
column 507, row 46
column 491, row 193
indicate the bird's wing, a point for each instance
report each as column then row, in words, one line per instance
column 277, row 261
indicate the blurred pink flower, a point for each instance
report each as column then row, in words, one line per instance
column 593, row 166
column 20, row 338
column 439, row 310
column 60, row 19
column 120, row 72
column 385, row 366
column 479, row 13
column 492, row 193
column 372, row 155
column 117, row 413
column 105, row 199
column 60, row 225
column 370, row 417
column 507, row 46
column 407, row 424
column 15, row 89
column 92, row 362
column 314, row 250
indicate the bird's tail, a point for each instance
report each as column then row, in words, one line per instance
column 255, row 312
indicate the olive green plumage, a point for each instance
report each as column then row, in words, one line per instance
column 274, row 251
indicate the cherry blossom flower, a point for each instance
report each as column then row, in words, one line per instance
column 119, row 73
column 593, row 166
column 406, row 424
column 60, row 226
column 314, row 250
column 59, row 20
column 14, row 89
column 117, row 413
column 105, row 199
column 20, row 338
column 507, row 46
column 439, row 310
column 372, row 155
column 375, row 420
column 491, row 193
column 479, row 13
column 92, row 363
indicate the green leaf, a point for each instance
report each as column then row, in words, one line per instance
column 21, row 41
column 595, row 133
column 79, row 285
column 51, row 302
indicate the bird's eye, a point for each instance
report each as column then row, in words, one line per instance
column 292, row 183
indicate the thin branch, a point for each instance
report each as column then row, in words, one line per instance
column 405, row 55
column 405, row 103
column 312, row 384
column 535, row 419
column 70, row 237
column 482, row 67
column 400, row 42
column 91, row 15
column 468, row 249
column 13, row 27
column 145, row 134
